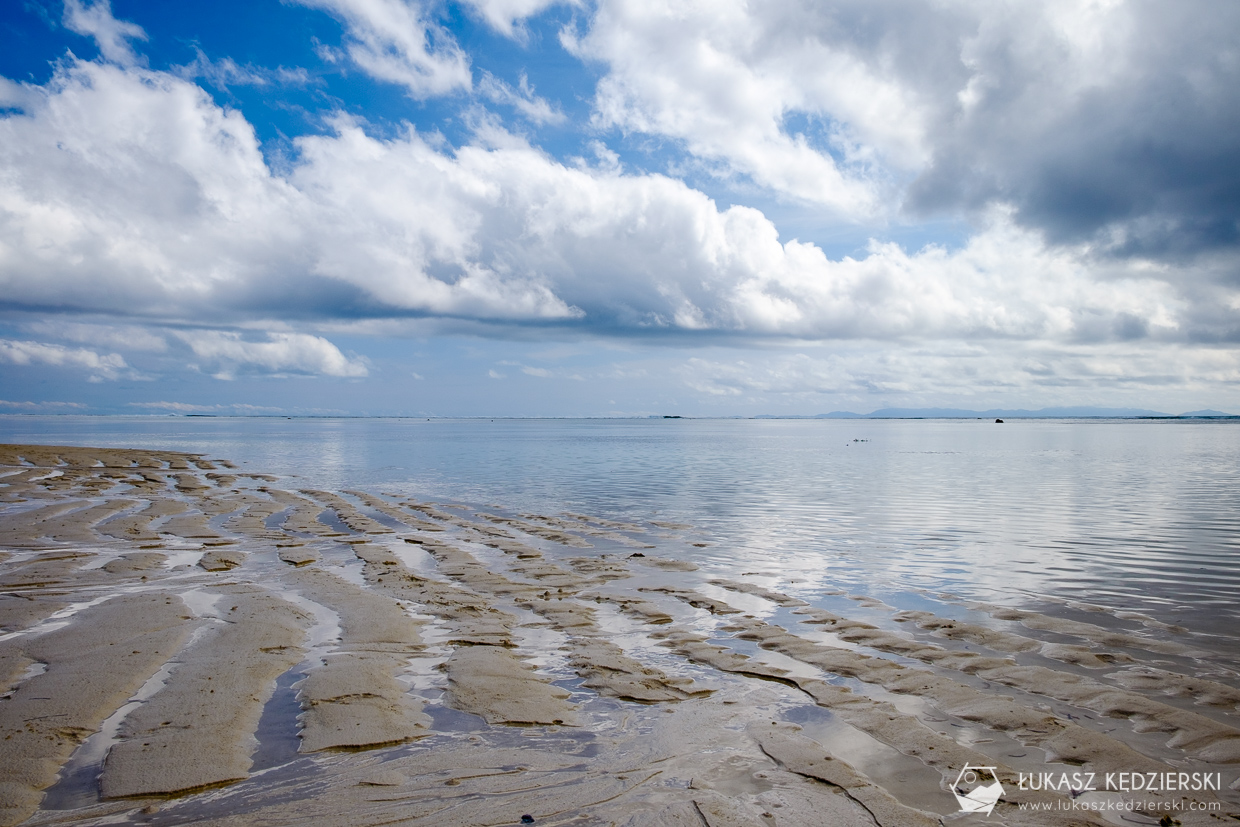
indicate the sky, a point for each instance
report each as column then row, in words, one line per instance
column 618, row 207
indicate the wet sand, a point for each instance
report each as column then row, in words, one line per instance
column 182, row 642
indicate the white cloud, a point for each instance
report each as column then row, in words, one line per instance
column 522, row 99
column 1089, row 142
column 131, row 191
column 186, row 407
column 18, row 96
column 506, row 16
column 396, row 41
column 41, row 406
column 408, row 224
column 283, row 353
column 226, row 72
column 1074, row 112
column 965, row 375
column 116, row 184
column 118, row 337
column 111, row 35
column 726, row 77
column 16, row 352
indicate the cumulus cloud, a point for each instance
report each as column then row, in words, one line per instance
column 1107, row 122
column 112, row 36
column 1103, row 122
column 118, row 182
column 129, row 191
column 729, row 79
column 227, row 353
column 398, row 42
column 101, row 365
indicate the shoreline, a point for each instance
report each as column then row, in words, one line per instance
column 463, row 665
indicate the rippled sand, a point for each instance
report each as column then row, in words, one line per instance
column 181, row 642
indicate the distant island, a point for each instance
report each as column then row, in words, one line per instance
column 1043, row 413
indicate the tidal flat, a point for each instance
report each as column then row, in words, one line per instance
column 183, row 641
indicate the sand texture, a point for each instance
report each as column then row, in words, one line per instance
column 492, row 683
column 92, row 667
column 196, row 730
column 354, row 699
column 185, row 642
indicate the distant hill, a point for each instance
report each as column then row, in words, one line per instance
column 999, row 413
column 960, row 413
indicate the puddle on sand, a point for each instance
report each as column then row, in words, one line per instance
column 32, row 671
column 278, row 727
column 905, row 777
column 201, row 602
column 447, row 722
column 324, row 636
column 56, row 620
column 350, row 570
column 331, row 519
column 178, row 556
column 417, row 559
column 422, row 671
column 275, row 522
column 445, row 719
column 78, row 782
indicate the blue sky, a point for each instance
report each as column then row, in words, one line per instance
column 534, row 208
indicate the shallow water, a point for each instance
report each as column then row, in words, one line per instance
column 1130, row 515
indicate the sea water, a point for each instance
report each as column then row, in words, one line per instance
column 1130, row 515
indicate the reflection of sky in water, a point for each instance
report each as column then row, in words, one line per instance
column 1138, row 515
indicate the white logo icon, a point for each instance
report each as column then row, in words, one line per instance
column 977, row 789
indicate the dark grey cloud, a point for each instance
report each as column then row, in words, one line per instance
column 1130, row 142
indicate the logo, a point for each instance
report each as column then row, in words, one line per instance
column 977, row 789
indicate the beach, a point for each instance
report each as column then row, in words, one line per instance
column 186, row 641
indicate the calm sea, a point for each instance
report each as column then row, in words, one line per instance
column 1132, row 515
